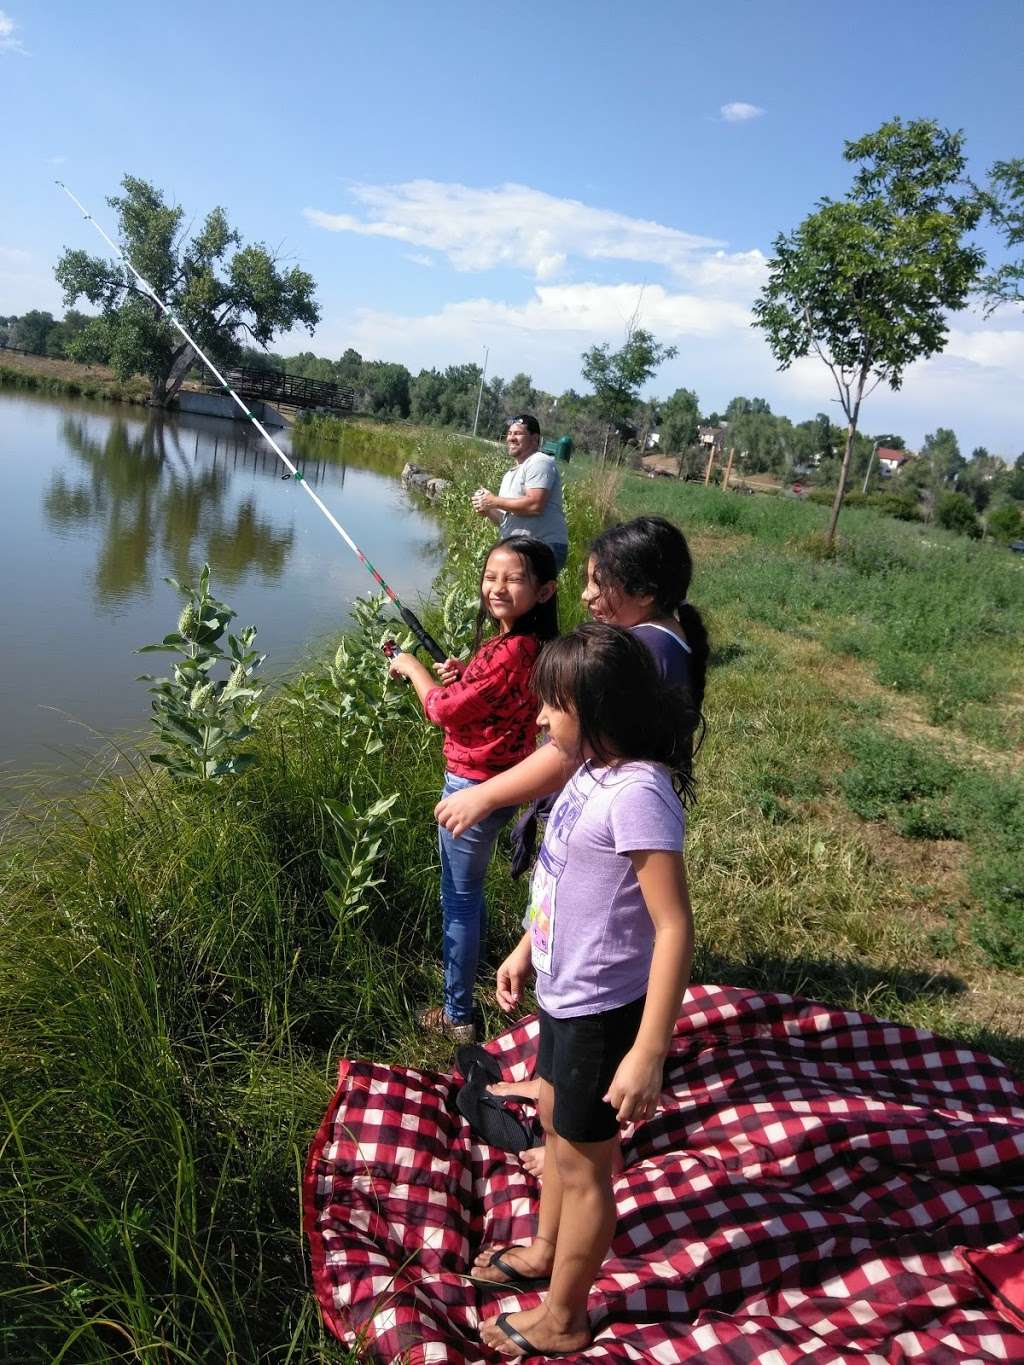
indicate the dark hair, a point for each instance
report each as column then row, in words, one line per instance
column 649, row 557
column 528, row 420
column 539, row 561
column 626, row 710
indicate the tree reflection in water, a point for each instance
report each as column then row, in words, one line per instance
column 144, row 490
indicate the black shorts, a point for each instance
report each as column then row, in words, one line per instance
column 579, row 1057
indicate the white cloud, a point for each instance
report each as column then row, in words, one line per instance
column 8, row 42
column 739, row 112
column 420, row 258
column 512, row 226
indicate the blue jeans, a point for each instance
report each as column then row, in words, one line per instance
column 561, row 553
column 464, row 915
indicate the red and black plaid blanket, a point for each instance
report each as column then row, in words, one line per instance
column 800, row 1196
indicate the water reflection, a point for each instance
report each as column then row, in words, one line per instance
column 142, row 489
column 101, row 502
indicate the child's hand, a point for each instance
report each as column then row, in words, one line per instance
column 399, row 665
column 513, row 975
column 456, row 813
column 636, row 1086
column 449, row 672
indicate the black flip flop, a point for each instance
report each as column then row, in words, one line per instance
column 514, row 1279
column 489, row 1118
column 472, row 1055
column 527, row 1347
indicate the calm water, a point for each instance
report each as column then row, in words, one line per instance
column 100, row 501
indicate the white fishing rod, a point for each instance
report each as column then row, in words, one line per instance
column 410, row 618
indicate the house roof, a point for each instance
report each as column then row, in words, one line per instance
column 894, row 456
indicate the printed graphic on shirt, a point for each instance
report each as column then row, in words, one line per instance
column 549, row 867
column 543, row 888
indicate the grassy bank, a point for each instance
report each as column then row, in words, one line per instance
column 45, row 375
column 180, row 968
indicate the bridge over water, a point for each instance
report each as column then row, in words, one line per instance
column 277, row 387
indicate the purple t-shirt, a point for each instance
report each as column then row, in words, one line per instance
column 591, row 935
column 671, row 654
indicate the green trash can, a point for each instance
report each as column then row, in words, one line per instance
column 561, row 449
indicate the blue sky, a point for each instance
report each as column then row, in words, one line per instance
column 457, row 176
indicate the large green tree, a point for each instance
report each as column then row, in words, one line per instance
column 220, row 290
column 866, row 283
column 31, row 330
column 618, row 376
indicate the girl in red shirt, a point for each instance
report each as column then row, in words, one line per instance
column 489, row 718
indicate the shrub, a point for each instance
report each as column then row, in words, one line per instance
column 956, row 512
column 1005, row 523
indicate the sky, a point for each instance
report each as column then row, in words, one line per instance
column 526, row 178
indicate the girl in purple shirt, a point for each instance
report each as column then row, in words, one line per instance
column 610, row 940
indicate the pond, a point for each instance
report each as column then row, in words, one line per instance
column 101, row 501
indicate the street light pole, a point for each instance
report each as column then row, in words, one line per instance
column 480, row 392
column 871, row 460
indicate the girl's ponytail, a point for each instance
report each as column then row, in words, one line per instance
column 696, row 633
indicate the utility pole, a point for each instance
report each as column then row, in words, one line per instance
column 480, row 392
column 871, row 459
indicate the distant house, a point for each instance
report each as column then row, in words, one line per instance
column 892, row 461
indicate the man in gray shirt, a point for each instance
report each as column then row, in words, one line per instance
column 529, row 501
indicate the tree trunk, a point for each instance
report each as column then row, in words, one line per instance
column 167, row 386
column 604, row 451
column 851, row 430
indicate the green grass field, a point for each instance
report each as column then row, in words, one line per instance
column 181, row 968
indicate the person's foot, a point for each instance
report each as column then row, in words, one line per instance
column 532, row 1262
column 435, row 1020
column 527, row 1090
column 532, row 1160
column 533, row 1333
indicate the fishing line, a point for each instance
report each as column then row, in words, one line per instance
column 411, row 620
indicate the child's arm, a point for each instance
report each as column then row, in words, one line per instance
column 513, row 974
column 637, row 1083
column 545, row 771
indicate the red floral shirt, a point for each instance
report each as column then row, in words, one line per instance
column 489, row 716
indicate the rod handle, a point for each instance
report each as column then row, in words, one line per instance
column 425, row 638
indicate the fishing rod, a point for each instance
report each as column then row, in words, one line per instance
column 410, row 618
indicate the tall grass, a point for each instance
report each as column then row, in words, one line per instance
column 135, row 390
column 934, row 615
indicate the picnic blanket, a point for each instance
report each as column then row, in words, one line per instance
column 809, row 1190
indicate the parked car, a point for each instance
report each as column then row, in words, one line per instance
column 1017, row 546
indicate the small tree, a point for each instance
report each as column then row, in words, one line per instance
column 218, row 297
column 680, row 420
column 866, row 283
column 618, row 376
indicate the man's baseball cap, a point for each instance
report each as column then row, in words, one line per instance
column 528, row 420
